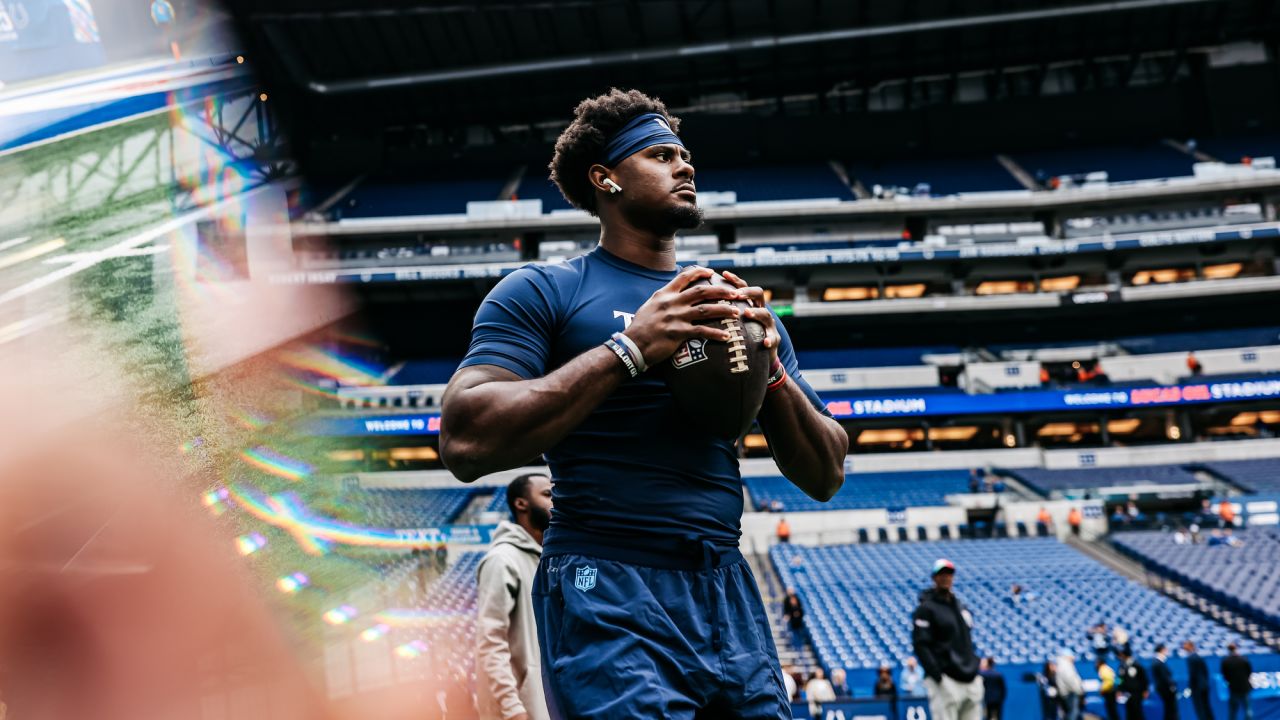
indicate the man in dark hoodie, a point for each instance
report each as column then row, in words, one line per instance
column 942, row 641
column 508, row 664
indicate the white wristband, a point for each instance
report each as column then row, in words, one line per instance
column 633, row 348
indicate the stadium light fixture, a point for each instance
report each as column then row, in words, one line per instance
column 1222, row 272
column 413, row 453
column 962, row 433
column 1124, row 426
column 888, row 435
column 1163, row 276
column 1003, row 287
column 913, row 290
column 1060, row 284
column 843, row 294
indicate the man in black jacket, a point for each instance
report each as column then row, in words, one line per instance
column 940, row 634
column 1236, row 670
column 1166, row 686
column 1198, row 681
column 1133, row 683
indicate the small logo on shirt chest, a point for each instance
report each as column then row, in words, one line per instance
column 626, row 318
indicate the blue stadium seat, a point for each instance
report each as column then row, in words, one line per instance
column 1122, row 163
column 409, row 507
column 870, row 357
column 1253, row 476
column 1046, row 481
column 390, row 198
column 1245, row 578
column 858, row 600
column 944, row 176
column 441, row 618
column 1232, row 149
column 922, row 488
column 498, row 503
column 774, row 182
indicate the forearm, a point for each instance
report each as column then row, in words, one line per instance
column 503, row 424
column 808, row 446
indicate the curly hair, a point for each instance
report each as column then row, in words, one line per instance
column 581, row 145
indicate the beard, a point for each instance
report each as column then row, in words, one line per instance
column 684, row 217
column 666, row 220
column 539, row 518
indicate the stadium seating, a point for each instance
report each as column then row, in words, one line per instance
column 409, row 508
column 1253, row 476
column 536, row 186
column 864, row 490
column 859, row 599
column 388, row 198
column 944, row 176
column 1047, row 482
column 1245, row 578
column 870, row 357
column 498, row 503
column 1233, row 149
column 774, row 182
column 424, row 372
column 1121, row 163
column 443, row 636
column 1152, row 220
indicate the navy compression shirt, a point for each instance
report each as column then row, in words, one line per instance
column 635, row 466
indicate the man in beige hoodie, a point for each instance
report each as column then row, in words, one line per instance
column 508, row 668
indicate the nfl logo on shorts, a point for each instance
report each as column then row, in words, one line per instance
column 585, row 579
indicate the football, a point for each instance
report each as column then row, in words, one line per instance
column 720, row 385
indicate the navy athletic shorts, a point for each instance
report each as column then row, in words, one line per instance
column 628, row 640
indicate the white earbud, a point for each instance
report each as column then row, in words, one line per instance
column 613, row 186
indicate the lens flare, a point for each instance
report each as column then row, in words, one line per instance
column 341, row 615
column 274, row 463
column 215, row 500
column 315, row 533
column 411, row 650
column 250, row 543
column 373, row 633
column 415, row 618
column 291, row 584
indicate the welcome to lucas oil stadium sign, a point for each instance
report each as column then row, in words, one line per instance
column 891, row 405
column 896, row 405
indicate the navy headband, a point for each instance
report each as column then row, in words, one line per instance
column 640, row 132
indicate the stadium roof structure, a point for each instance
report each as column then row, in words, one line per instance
column 387, row 70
